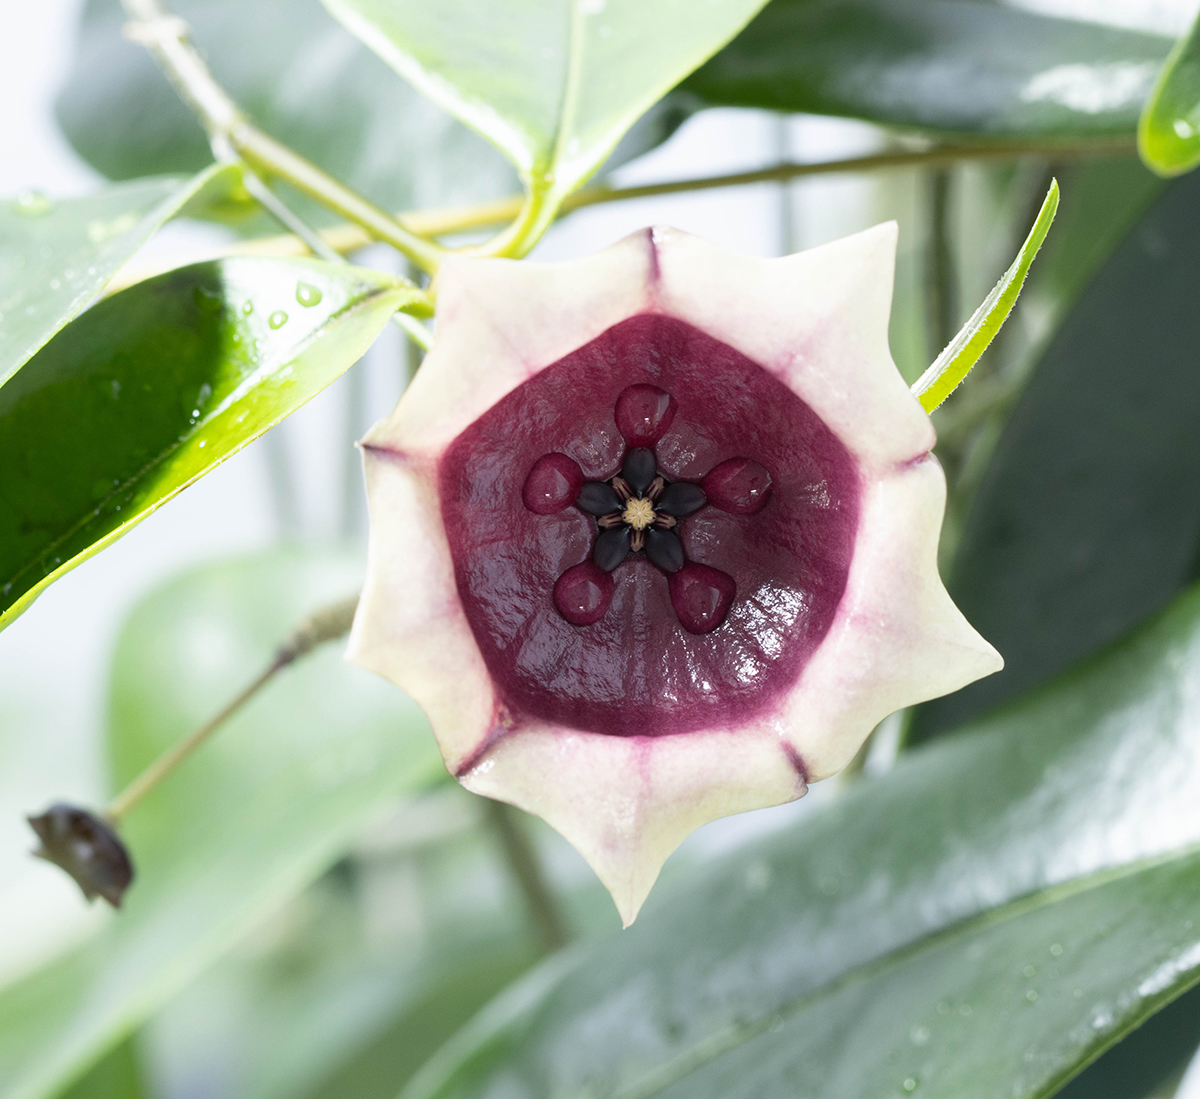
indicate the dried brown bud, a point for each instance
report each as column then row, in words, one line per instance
column 88, row 848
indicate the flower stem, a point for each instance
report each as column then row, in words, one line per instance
column 326, row 624
column 526, row 869
column 168, row 39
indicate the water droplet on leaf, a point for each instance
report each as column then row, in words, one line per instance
column 307, row 294
column 278, row 319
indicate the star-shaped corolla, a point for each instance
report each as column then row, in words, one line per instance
column 654, row 537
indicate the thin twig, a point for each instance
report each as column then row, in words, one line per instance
column 326, row 624
column 459, row 219
column 168, row 40
column 526, row 868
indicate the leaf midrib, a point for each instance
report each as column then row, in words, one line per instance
column 717, row 1045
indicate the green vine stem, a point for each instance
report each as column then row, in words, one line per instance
column 460, row 219
column 327, row 624
column 168, row 39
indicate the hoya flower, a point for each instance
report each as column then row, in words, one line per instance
column 654, row 534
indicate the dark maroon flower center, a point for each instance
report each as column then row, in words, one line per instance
column 639, row 511
column 649, row 536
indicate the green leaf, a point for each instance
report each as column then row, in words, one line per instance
column 982, row 920
column 957, row 66
column 358, row 980
column 155, row 386
column 1087, row 519
column 302, row 78
column 553, row 84
column 257, row 814
column 117, row 1075
column 1169, row 128
column 954, row 363
column 56, row 257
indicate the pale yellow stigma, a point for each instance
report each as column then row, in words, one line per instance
column 639, row 514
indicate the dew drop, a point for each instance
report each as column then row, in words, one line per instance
column 1031, row 996
column 910, row 1084
column 247, row 308
column 33, row 204
column 1056, row 949
column 307, row 294
column 1029, row 971
column 277, row 319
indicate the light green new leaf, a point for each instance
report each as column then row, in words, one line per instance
column 553, row 83
column 257, row 814
column 154, row 387
column 963, row 352
column 1087, row 518
column 1169, row 128
column 983, row 920
column 55, row 257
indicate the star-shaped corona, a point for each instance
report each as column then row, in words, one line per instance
column 654, row 537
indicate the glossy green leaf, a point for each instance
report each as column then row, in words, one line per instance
column 956, row 66
column 56, row 257
column 1087, row 519
column 259, row 812
column 553, row 84
column 982, row 920
column 949, row 369
column 1169, row 129
column 155, row 386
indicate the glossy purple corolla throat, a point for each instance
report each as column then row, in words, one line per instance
column 649, row 533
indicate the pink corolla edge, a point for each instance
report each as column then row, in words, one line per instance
column 817, row 321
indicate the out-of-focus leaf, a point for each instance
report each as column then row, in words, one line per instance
column 1169, row 129
column 1087, row 519
column 351, row 987
column 117, row 1075
column 154, row 387
column 949, row 369
column 553, row 84
column 982, row 920
column 958, row 66
column 55, row 257
column 245, row 824
column 302, row 78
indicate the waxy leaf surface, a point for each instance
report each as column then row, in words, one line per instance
column 1087, row 520
column 246, row 823
column 155, row 386
column 984, row 919
column 554, row 84
column 56, row 256
column 958, row 66
column 1169, row 129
